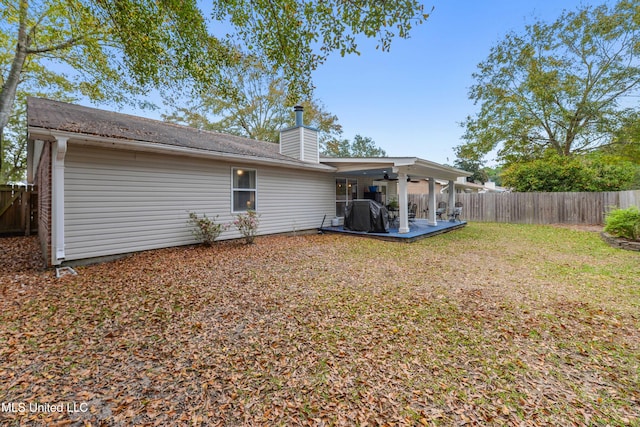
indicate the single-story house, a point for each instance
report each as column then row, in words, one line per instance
column 111, row 183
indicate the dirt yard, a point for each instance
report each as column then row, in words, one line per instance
column 489, row 325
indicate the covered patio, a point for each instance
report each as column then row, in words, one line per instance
column 374, row 171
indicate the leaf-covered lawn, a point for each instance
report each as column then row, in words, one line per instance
column 492, row 324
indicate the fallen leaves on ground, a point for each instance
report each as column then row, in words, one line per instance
column 489, row 325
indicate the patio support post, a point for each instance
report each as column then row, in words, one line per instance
column 452, row 198
column 431, row 220
column 402, row 203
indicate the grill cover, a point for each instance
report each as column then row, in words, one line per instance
column 366, row 215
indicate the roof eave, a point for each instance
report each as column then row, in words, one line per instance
column 156, row 147
column 429, row 168
column 428, row 163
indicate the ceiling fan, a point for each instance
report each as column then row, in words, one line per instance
column 409, row 179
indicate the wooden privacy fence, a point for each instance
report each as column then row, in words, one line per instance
column 18, row 209
column 536, row 208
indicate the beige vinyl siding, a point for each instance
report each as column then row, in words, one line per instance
column 119, row 201
column 311, row 146
column 290, row 143
column 291, row 200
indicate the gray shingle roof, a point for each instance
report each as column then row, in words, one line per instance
column 62, row 116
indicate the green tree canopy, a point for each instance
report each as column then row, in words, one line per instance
column 298, row 35
column 73, row 48
column 627, row 139
column 553, row 173
column 474, row 166
column 118, row 49
column 361, row 146
column 257, row 107
column 558, row 86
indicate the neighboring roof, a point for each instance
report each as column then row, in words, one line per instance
column 413, row 166
column 76, row 119
column 488, row 187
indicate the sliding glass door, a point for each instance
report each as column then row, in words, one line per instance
column 346, row 191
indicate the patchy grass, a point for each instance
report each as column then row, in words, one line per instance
column 492, row 324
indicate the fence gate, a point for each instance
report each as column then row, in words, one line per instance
column 18, row 209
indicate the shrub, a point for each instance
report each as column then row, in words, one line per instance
column 624, row 223
column 206, row 230
column 247, row 225
column 576, row 173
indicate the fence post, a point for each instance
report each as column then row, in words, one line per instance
column 16, row 209
column 26, row 211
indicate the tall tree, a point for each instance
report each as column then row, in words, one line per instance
column 298, row 35
column 77, row 48
column 558, row 87
column 16, row 149
column 627, row 139
column 479, row 173
column 118, row 47
column 361, row 146
column 256, row 108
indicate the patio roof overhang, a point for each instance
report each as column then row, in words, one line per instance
column 377, row 167
column 403, row 168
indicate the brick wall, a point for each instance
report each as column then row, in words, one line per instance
column 43, row 181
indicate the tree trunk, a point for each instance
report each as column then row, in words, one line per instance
column 9, row 89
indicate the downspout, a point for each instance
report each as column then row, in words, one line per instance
column 59, row 151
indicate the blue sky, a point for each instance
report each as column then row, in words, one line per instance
column 411, row 100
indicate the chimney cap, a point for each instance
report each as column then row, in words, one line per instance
column 299, row 111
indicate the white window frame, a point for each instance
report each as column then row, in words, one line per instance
column 234, row 170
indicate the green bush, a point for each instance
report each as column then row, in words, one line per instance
column 247, row 224
column 205, row 229
column 624, row 223
column 576, row 173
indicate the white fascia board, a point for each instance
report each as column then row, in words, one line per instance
column 362, row 166
column 431, row 170
column 351, row 164
column 155, row 147
column 450, row 169
column 405, row 161
column 346, row 164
